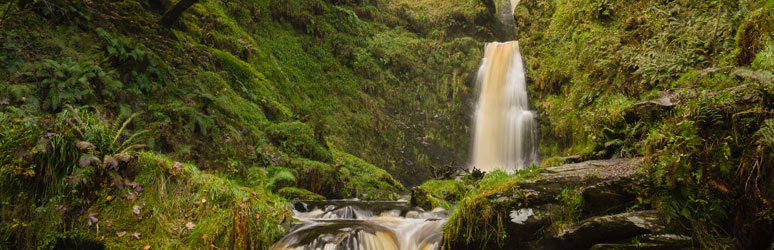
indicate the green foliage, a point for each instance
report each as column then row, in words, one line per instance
column 364, row 180
column 627, row 50
column 281, row 178
column 448, row 190
column 220, row 212
column 552, row 161
column 294, row 193
column 139, row 67
column 479, row 220
column 76, row 157
column 72, row 81
column 571, row 201
column 766, row 134
column 299, row 138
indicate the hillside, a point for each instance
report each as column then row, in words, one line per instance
column 120, row 130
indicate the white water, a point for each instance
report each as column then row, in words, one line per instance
column 505, row 130
column 360, row 225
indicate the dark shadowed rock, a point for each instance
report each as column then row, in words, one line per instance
column 653, row 109
column 610, row 228
column 649, row 241
column 419, row 198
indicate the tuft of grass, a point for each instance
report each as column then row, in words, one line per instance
column 478, row 220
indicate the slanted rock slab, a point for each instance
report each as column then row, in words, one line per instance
column 611, row 228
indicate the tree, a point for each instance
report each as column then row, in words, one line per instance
column 171, row 16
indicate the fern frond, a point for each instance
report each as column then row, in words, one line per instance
column 123, row 126
column 766, row 133
column 132, row 138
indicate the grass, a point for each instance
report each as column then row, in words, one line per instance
column 177, row 195
column 479, row 220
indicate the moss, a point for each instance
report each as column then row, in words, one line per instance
column 293, row 193
column 175, row 196
column 753, row 32
column 298, row 138
column 479, row 218
column 365, row 180
column 437, row 193
column 552, row 161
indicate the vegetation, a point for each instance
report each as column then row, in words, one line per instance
column 480, row 217
column 599, row 72
column 263, row 99
column 146, row 122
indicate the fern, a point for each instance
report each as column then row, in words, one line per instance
column 766, row 134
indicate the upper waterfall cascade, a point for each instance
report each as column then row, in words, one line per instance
column 505, row 135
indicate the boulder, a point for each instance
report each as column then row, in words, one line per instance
column 610, row 228
column 613, row 196
column 419, row 198
column 651, row 110
column 650, row 242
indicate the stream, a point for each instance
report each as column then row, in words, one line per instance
column 363, row 225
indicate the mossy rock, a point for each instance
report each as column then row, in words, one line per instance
column 449, row 190
column 299, row 139
column 293, row 193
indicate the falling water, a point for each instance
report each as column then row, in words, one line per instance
column 363, row 225
column 505, row 130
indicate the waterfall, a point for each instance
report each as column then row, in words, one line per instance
column 505, row 130
column 363, row 225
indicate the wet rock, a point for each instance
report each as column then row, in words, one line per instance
column 571, row 159
column 613, row 196
column 650, row 241
column 651, row 110
column 419, row 198
column 526, row 223
column 611, row 228
column 301, row 207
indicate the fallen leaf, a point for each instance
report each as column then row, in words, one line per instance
column 178, row 166
column 87, row 160
column 190, row 225
column 93, row 218
column 204, row 200
column 121, row 234
column 123, row 157
column 84, row 145
column 136, row 235
column 111, row 163
column 132, row 184
column 136, row 210
column 109, row 197
column 146, row 247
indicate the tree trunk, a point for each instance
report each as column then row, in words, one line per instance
column 173, row 14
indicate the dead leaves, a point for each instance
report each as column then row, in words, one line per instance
column 111, row 163
column 136, row 210
column 87, row 160
column 121, row 234
column 84, row 145
column 135, row 235
column 175, row 169
column 190, row 225
column 92, row 218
